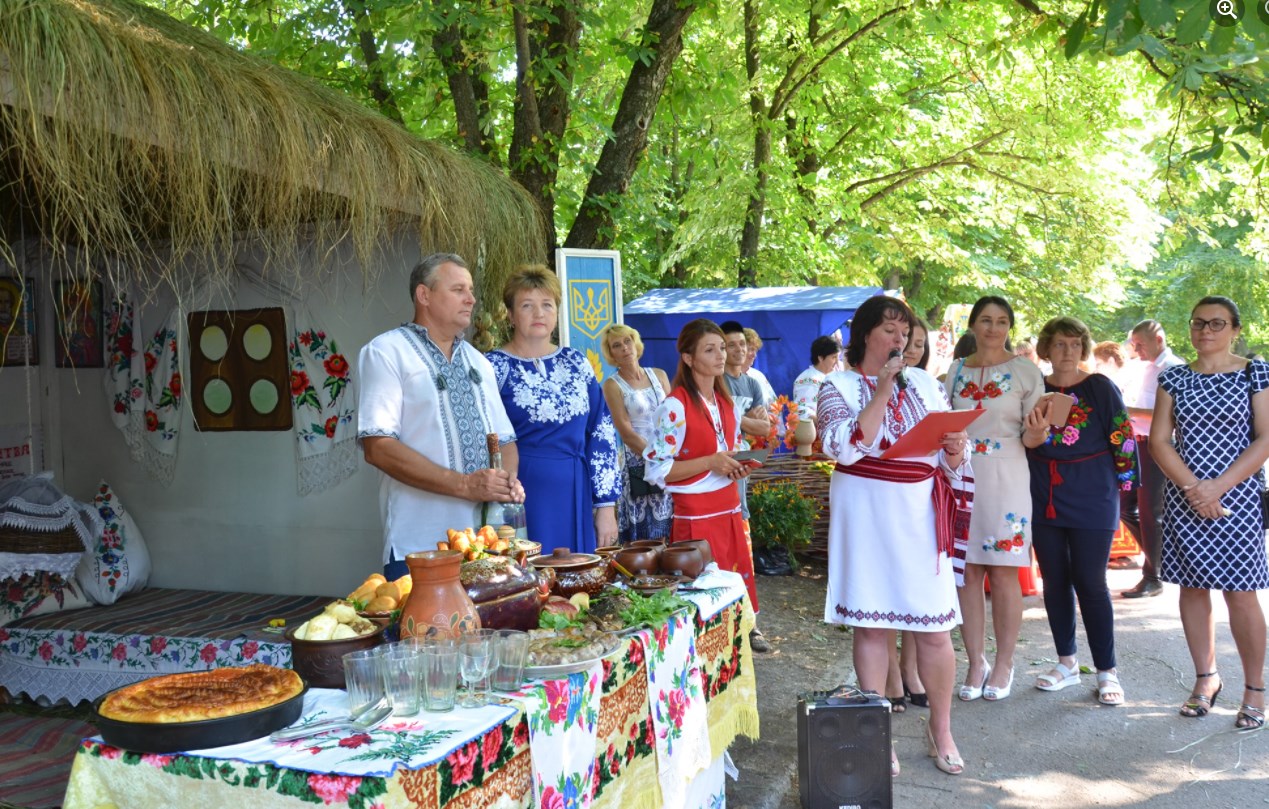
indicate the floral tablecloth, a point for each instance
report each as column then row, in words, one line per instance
column 478, row 758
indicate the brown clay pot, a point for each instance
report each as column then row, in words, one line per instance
column 637, row 560
column 321, row 662
column 505, row 594
column 685, row 559
column 574, row 572
column 438, row 605
column 707, row 553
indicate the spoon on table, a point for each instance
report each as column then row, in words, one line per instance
column 369, row 719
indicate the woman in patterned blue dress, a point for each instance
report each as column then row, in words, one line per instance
column 564, row 432
column 1211, row 439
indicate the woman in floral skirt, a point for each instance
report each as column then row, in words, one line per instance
column 1006, row 387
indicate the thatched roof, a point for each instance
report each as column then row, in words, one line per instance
column 122, row 129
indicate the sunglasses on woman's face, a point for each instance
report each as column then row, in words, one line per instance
column 1216, row 324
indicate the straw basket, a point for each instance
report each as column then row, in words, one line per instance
column 24, row 540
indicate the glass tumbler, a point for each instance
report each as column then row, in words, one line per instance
column 362, row 680
column 399, row 665
column 511, row 648
column 438, row 662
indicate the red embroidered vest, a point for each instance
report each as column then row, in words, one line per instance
column 700, row 439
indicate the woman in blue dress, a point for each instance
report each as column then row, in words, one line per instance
column 1211, row 439
column 1077, row 472
column 564, row 432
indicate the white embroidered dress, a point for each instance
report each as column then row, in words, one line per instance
column 883, row 567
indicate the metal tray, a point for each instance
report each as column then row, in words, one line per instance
column 178, row 737
column 558, row 670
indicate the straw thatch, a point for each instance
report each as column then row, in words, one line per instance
column 125, row 134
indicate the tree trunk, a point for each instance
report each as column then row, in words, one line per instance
column 376, row 82
column 468, row 91
column 751, row 234
column 593, row 227
column 542, row 101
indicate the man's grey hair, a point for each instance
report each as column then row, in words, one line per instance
column 424, row 273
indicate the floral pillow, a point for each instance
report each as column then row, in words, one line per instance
column 38, row 594
column 120, row 562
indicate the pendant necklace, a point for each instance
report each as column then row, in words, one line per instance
column 715, row 420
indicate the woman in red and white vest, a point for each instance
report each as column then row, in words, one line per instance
column 697, row 429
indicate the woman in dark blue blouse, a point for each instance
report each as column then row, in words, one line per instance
column 1076, row 476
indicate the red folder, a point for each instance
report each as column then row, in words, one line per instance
column 925, row 438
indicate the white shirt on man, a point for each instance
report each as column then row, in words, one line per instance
column 1150, row 379
column 400, row 397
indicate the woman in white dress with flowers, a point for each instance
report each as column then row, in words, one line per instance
column 1006, row 388
column 565, row 435
column 890, row 530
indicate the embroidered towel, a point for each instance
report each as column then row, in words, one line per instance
column 563, row 725
column 678, row 706
column 322, row 397
column 145, row 392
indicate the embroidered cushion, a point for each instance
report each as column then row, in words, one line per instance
column 38, row 594
column 120, row 562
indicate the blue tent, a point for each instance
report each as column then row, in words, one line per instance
column 787, row 319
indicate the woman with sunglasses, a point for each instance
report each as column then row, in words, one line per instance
column 1211, row 439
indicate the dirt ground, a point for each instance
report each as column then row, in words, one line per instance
column 1033, row 749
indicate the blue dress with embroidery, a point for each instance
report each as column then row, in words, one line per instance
column 566, row 441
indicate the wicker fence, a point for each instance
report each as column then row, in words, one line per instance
column 813, row 482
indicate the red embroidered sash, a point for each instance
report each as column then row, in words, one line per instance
column 1056, row 479
column 943, row 498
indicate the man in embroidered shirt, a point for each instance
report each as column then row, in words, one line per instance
column 1142, row 509
column 427, row 401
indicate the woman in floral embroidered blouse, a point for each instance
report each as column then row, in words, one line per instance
column 1007, row 388
column 565, row 435
column 1077, row 473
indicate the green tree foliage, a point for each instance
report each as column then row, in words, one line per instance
column 1099, row 158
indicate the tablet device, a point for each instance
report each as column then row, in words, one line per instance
column 755, row 457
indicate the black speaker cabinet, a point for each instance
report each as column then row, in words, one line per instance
column 843, row 750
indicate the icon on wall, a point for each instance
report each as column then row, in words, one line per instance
column 77, row 331
column 17, row 322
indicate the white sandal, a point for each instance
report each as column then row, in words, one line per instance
column 1109, row 690
column 1060, row 677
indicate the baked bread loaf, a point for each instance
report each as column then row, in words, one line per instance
column 198, row 695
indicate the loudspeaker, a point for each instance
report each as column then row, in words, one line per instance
column 844, row 750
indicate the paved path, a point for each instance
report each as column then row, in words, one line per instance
column 1035, row 749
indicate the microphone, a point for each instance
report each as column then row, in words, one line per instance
column 899, row 378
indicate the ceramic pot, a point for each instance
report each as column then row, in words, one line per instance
column 685, row 559
column 438, row 606
column 321, row 662
column 574, row 572
column 505, row 594
column 638, row 560
column 804, row 435
column 702, row 545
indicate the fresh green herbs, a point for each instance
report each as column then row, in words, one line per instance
column 652, row 610
column 560, row 622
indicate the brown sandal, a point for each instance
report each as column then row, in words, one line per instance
column 1198, row 704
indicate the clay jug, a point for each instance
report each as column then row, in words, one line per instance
column 438, row 605
column 804, row 435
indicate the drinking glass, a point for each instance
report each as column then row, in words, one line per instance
column 399, row 665
column 439, row 665
column 475, row 662
column 362, row 679
column 511, row 647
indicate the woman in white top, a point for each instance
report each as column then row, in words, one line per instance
column 633, row 394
